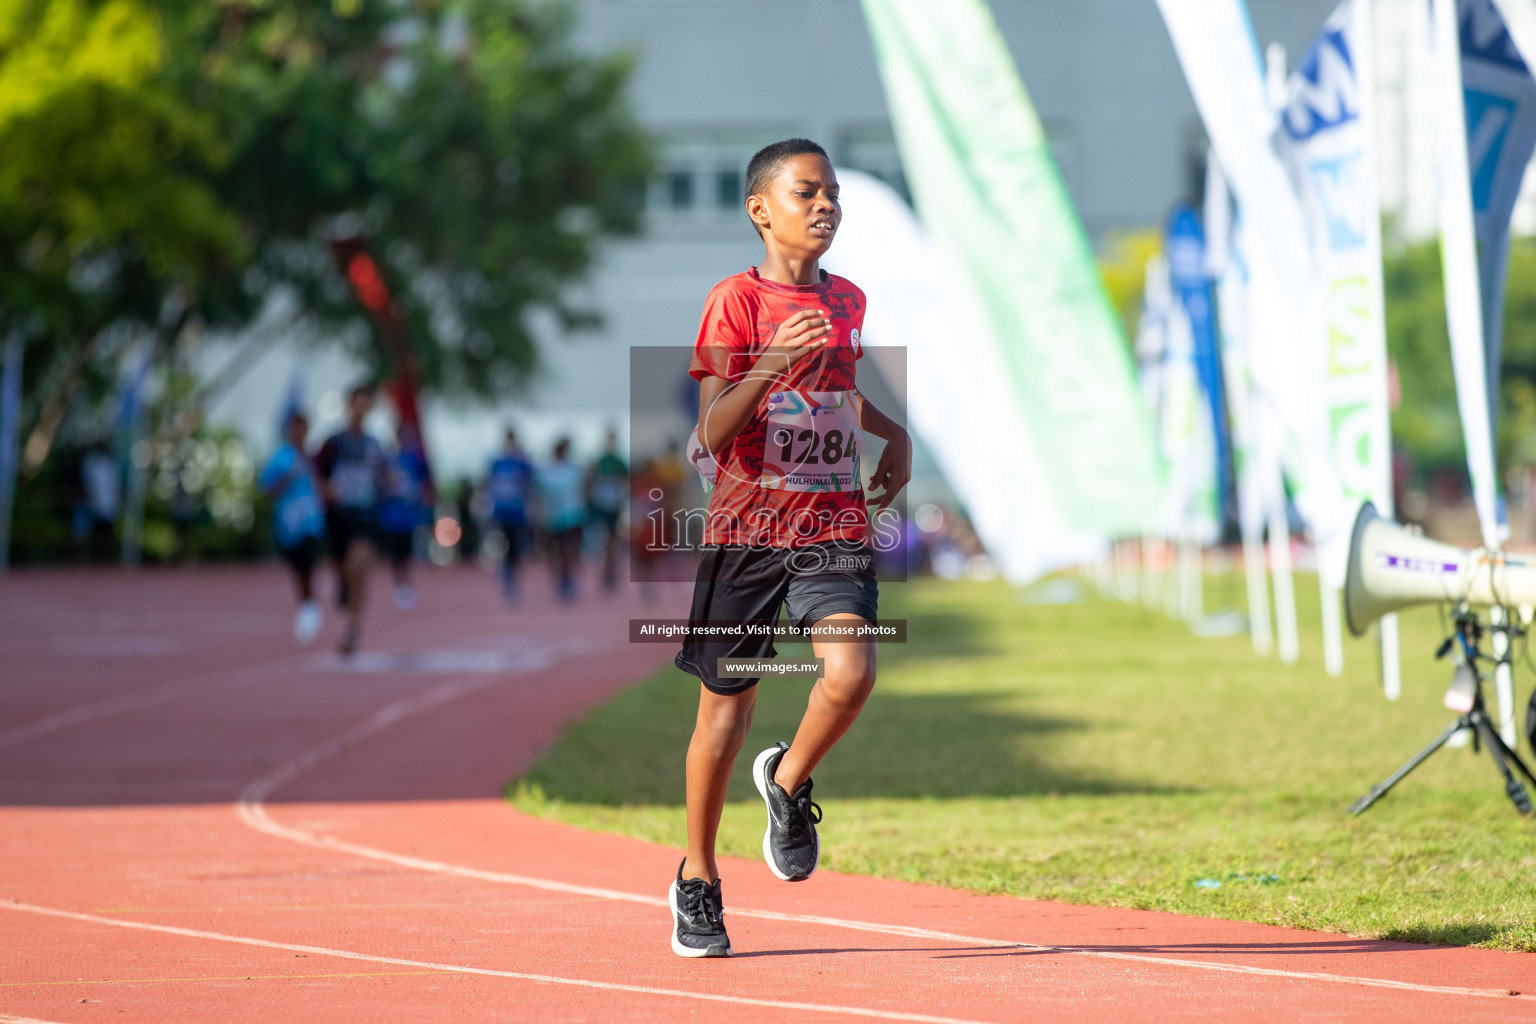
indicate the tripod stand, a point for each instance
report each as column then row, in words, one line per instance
column 1467, row 635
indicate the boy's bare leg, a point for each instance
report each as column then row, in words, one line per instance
column 359, row 561
column 718, row 734
column 836, row 700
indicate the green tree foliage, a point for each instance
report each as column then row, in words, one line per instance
column 105, row 197
column 177, row 165
column 1426, row 421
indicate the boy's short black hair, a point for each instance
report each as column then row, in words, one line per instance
column 766, row 162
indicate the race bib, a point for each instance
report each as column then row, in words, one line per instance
column 506, row 489
column 608, row 493
column 812, row 443
column 353, row 483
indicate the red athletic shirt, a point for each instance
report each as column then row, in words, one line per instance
column 790, row 478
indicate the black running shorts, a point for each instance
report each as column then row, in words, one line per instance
column 303, row 555
column 747, row 584
column 343, row 526
column 397, row 547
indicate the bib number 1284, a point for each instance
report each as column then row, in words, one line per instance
column 813, row 441
column 812, row 448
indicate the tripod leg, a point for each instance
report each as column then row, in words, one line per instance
column 1516, row 760
column 1380, row 789
column 1499, row 752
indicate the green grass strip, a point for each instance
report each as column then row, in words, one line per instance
column 1097, row 752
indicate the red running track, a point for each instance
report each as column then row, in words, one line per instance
column 199, row 822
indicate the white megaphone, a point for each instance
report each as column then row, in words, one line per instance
column 1391, row 567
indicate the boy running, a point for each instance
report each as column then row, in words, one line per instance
column 297, row 523
column 607, row 490
column 562, row 512
column 510, row 483
column 405, row 504
column 781, row 416
column 351, row 470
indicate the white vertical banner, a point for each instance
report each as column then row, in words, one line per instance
column 1328, row 141
column 1364, row 32
column 1225, row 263
column 1220, row 58
column 1463, row 296
column 1151, row 350
column 1263, row 301
column 1458, row 259
column 1520, row 17
column 1181, row 420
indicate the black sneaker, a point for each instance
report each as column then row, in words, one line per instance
column 698, row 917
column 789, row 845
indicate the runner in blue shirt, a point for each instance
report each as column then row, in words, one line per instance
column 406, row 504
column 297, row 521
column 510, row 485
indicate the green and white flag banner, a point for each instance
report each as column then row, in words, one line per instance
column 992, row 200
column 957, row 389
column 1182, row 419
column 1327, row 141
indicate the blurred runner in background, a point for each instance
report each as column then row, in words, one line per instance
column 407, row 502
column 607, row 489
column 647, row 527
column 669, row 470
column 100, row 497
column 350, row 467
column 469, row 522
column 510, row 485
column 561, row 515
column 297, row 520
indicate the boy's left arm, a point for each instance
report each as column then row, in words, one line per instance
column 895, row 466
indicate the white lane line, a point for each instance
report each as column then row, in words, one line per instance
column 547, row 979
column 125, row 704
column 252, row 811
column 388, row 715
column 6, row 1019
column 108, row 707
column 506, row 662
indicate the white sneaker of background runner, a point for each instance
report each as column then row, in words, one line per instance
column 307, row 622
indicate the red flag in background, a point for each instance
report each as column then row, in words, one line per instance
column 373, row 295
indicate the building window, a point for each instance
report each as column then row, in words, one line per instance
column 680, row 189
column 633, row 192
column 871, row 148
column 728, row 189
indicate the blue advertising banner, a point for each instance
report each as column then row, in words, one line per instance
column 1500, row 96
column 1187, row 271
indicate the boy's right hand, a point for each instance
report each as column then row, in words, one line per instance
column 802, row 334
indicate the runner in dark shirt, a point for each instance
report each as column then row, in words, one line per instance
column 351, row 469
